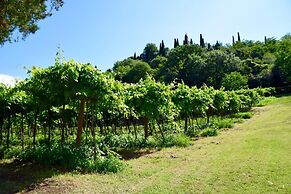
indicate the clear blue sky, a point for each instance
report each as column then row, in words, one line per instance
column 104, row 31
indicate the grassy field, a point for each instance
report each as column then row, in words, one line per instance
column 253, row 157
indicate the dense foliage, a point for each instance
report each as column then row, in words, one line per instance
column 23, row 16
column 263, row 64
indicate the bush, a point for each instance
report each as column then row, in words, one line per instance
column 179, row 140
column 192, row 131
column 12, row 152
column 111, row 163
column 224, row 123
column 126, row 141
column 265, row 101
column 243, row 115
column 73, row 158
column 208, row 132
column 234, row 81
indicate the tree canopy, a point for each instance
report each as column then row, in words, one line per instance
column 22, row 16
column 263, row 64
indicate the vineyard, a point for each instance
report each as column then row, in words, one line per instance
column 79, row 116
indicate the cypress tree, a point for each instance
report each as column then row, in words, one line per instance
column 202, row 43
column 238, row 37
column 163, row 44
column 233, row 41
column 265, row 40
column 162, row 48
column 186, row 41
column 191, row 41
column 178, row 42
column 134, row 55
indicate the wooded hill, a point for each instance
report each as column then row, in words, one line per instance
column 263, row 64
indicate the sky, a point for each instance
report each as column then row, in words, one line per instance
column 104, row 31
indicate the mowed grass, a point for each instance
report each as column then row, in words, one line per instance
column 253, row 157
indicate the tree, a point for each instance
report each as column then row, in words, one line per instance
column 186, row 41
column 218, row 63
column 191, row 41
column 234, row 81
column 163, row 50
column 150, row 52
column 217, row 45
column 131, row 71
column 195, row 70
column 152, row 101
column 23, row 16
column 202, row 43
column 138, row 71
column 176, row 43
column 283, row 61
column 238, row 37
column 175, row 66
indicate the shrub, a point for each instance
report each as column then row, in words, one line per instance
column 110, row 163
column 234, row 81
column 12, row 152
column 73, row 158
column 192, row 131
column 243, row 115
column 224, row 123
column 179, row 140
column 208, row 132
column 123, row 141
column 265, row 101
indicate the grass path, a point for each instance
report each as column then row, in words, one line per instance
column 254, row 157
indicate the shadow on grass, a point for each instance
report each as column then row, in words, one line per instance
column 128, row 154
column 16, row 176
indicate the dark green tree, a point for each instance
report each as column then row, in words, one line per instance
column 186, row 41
column 283, row 61
column 202, row 43
column 238, row 37
column 234, row 81
column 150, row 52
column 162, row 50
column 23, row 16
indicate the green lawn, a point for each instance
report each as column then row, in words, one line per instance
column 253, row 157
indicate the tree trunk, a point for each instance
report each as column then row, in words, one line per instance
column 80, row 122
column 49, row 122
column 162, row 133
column 63, row 126
column 146, row 125
column 134, row 128
column 186, row 124
column 93, row 136
column 34, row 128
column 8, row 129
column 22, row 131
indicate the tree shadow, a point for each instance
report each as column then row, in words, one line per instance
column 17, row 176
column 128, row 154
